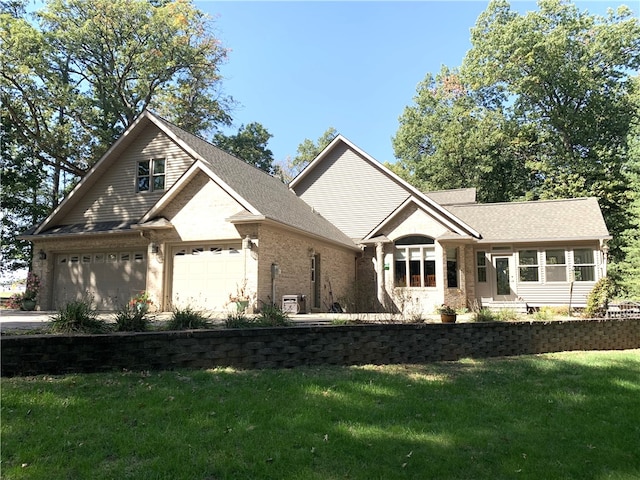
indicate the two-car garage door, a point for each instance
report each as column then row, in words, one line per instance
column 205, row 275
column 109, row 279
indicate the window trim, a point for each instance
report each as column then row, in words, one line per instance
column 575, row 265
column 152, row 175
column 402, row 245
column 535, row 265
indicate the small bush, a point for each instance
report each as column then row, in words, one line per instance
column 272, row 316
column 239, row 320
column 78, row 316
column 485, row 315
column 187, row 318
column 598, row 299
column 130, row 318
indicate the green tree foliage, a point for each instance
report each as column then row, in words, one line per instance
column 249, row 144
column 308, row 149
column 566, row 75
column 448, row 139
column 76, row 74
column 627, row 271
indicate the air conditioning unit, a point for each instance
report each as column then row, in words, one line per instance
column 293, row 304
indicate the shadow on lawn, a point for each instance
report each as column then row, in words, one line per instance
column 551, row 416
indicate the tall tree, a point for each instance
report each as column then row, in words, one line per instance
column 308, row 149
column 78, row 74
column 250, row 145
column 566, row 75
column 627, row 271
column 450, row 139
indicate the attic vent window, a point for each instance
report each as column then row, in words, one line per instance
column 150, row 175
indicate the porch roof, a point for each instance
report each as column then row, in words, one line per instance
column 547, row 220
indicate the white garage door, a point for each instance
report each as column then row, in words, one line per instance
column 110, row 279
column 204, row 276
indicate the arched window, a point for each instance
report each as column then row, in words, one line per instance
column 415, row 261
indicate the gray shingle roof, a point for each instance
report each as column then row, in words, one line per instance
column 572, row 219
column 457, row 196
column 265, row 193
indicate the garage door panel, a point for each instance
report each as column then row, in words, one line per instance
column 204, row 277
column 109, row 278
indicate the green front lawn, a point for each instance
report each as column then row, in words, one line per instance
column 554, row 416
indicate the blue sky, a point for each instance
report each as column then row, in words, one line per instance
column 300, row 67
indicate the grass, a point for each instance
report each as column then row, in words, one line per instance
column 554, row 416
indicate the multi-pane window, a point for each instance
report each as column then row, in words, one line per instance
column 555, row 266
column 151, row 175
column 528, row 266
column 452, row 267
column 481, row 266
column 583, row 265
column 415, row 262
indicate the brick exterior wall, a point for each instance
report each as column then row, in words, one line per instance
column 305, row 345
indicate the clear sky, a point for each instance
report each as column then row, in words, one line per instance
column 300, row 67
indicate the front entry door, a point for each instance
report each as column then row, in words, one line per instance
column 504, row 288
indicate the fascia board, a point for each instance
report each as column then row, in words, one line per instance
column 88, row 178
column 198, row 166
column 271, row 222
column 444, row 218
column 443, row 212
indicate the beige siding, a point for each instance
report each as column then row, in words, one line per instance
column 200, row 211
column 350, row 192
column 114, row 195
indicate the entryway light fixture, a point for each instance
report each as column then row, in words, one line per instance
column 42, row 255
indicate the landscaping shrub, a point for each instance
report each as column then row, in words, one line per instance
column 239, row 320
column 187, row 318
column 272, row 316
column 598, row 299
column 78, row 316
column 131, row 319
column 485, row 315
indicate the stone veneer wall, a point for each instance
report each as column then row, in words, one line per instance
column 307, row 345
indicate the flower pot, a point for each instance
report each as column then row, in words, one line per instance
column 242, row 305
column 448, row 317
column 28, row 305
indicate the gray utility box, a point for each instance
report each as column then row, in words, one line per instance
column 293, row 304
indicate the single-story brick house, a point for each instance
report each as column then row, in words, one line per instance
column 166, row 212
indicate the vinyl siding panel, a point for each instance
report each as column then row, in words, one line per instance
column 114, row 197
column 350, row 192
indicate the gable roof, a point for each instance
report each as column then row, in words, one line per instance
column 265, row 197
column 545, row 220
column 409, row 191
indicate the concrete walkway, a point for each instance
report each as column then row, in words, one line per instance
column 17, row 320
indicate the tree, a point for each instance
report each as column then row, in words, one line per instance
column 75, row 78
column 308, row 150
column 449, row 139
column 565, row 75
column 76, row 82
column 250, row 145
column 627, row 271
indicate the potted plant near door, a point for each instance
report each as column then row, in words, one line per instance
column 241, row 298
column 447, row 314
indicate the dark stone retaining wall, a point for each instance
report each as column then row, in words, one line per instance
column 308, row 345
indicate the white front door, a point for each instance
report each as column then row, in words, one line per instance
column 504, row 289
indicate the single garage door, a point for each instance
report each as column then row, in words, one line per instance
column 109, row 278
column 204, row 276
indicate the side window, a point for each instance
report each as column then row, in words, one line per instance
column 584, row 266
column 452, row 267
column 528, row 266
column 150, row 175
column 555, row 266
column 481, row 266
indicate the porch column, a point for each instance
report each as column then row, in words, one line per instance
column 380, row 273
